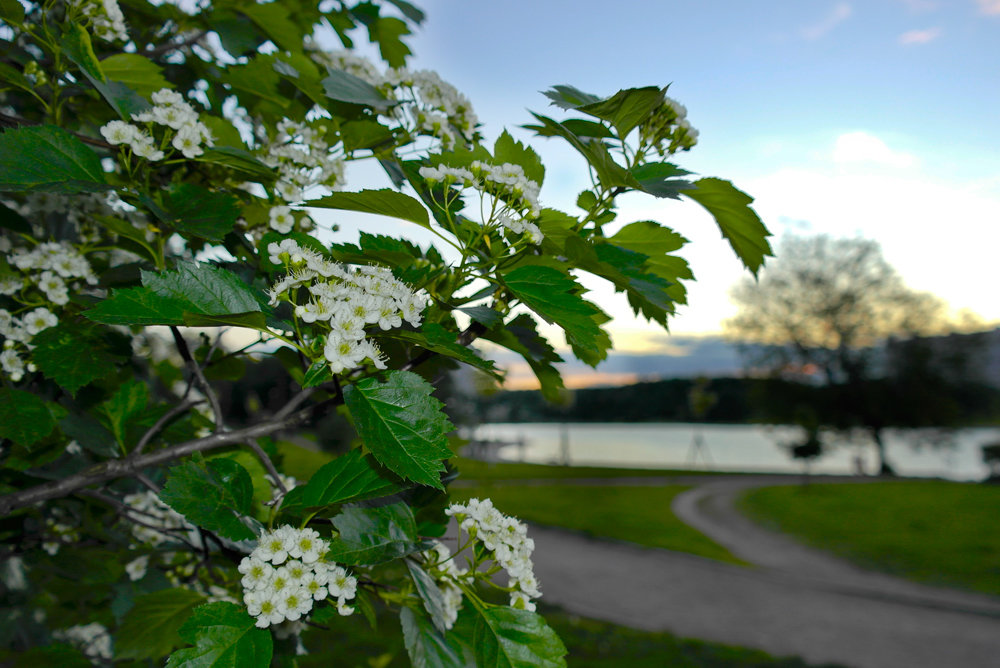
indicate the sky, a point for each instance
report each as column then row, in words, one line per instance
column 876, row 119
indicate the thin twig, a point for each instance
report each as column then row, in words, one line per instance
column 268, row 464
column 173, row 46
column 195, row 368
column 127, row 512
column 164, row 420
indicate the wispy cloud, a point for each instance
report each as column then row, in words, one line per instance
column 840, row 13
column 861, row 147
column 920, row 5
column 991, row 7
column 912, row 37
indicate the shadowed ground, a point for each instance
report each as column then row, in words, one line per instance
column 794, row 601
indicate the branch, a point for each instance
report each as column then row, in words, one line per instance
column 268, row 464
column 163, row 422
column 195, row 368
column 130, row 466
column 173, row 46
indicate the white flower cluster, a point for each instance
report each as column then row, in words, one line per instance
column 425, row 101
column 441, row 565
column 152, row 512
column 92, row 639
column 525, row 227
column 170, row 110
column 46, row 273
column 106, row 18
column 346, row 299
column 286, row 573
column 668, row 129
column 303, row 159
column 58, row 533
column 438, row 107
column 507, row 539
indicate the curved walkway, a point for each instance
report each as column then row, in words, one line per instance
column 794, row 601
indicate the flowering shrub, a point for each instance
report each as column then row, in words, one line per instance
column 169, row 173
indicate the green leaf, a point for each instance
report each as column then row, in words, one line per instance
column 657, row 178
column 402, row 425
column 90, row 434
column 236, row 32
column 365, row 134
column 350, row 477
column 46, row 158
column 24, row 417
column 374, row 535
column 484, row 315
column 77, row 46
column 151, row 628
column 383, row 202
column 239, row 160
column 431, row 595
column 740, row 224
column 554, row 295
column 224, row 636
column 273, row 21
column 72, row 356
column 198, row 212
column 569, row 97
column 609, row 172
column 212, row 495
column 436, row 338
column 317, row 374
column 426, row 645
column 386, row 32
column 511, row 638
column 125, row 404
column 344, row 87
column 657, row 242
column 521, row 336
column 137, row 72
column 12, row 11
column 625, row 109
column 203, row 289
column 137, row 306
column 507, row 149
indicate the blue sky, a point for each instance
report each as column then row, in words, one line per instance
column 875, row 118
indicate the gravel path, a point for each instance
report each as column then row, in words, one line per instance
column 794, row 601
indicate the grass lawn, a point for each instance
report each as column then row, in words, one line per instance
column 936, row 532
column 591, row 644
column 635, row 514
column 473, row 469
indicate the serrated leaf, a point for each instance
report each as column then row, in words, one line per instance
column 198, row 212
column 383, row 202
column 72, row 356
column 77, row 46
column 484, row 315
column 213, row 495
column 740, row 224
column 190, row 290
column 426, row 645
column 151, row 628
column 436, row 338
column 554, row 295
column 507, row 149
column 12, row 11
column 609, row 172
column 224, row 636
column 374, row 535
column 350, row 477
column 24, row 417
column 137, row 306
column 344, row 87
column 46, row 158
column 511, row 638
column 317, row 374
column 125, row 404
column 386, row 32
column 137, row 72
column 521, row 336
column 625, row 109
column 659, row 179
column 402, row 425
column 569, row 97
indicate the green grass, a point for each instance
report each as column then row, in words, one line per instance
column 635, row 514
column 932, row 531
column 473, row 469
column 591, row 644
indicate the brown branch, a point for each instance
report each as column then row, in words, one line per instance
column 268, row 464
column 133, row 464
column 195, row 369
column 164, row 420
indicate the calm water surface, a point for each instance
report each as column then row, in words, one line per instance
column 731, row 448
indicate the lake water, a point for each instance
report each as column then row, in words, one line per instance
column 731, row 448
